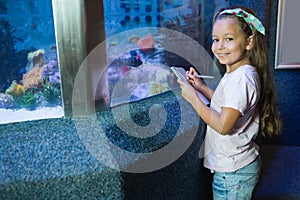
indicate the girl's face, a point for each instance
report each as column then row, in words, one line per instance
column 229, row 44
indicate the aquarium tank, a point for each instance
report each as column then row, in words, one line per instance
column 29, row 68
column 137, row 38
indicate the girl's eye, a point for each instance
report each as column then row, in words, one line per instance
column 214, row 40
column 229, row 39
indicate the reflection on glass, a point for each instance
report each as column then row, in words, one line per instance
column 29, row 73
column 140, row 61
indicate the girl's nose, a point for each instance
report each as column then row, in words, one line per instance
column 220, row 45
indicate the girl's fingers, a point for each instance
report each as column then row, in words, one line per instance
column 180, row 82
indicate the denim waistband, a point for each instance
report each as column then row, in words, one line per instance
column 255, row 160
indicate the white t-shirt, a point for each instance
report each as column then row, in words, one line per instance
column 240, row 90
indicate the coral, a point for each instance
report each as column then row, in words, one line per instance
column 6, row 101
column 146, row 42
column 21, row 98
column 40, row 86
column 28, row 100
column 32, row 55
column 50, row 92
column 15, row 89
column 156, row 88
column 37, row 57
column 32, row 78
column 35, row 90
column 51, row 72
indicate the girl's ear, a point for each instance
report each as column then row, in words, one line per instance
column 249, row 43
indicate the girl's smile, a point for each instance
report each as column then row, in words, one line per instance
column 222, row 55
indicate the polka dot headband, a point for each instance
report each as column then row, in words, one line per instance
column 250, row 19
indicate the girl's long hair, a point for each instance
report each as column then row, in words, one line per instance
column 270, row 123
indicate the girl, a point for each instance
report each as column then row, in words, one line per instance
column 242, row 105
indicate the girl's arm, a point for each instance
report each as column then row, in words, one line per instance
column 221, row 122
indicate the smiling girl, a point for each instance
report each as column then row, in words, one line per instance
column 242, row 106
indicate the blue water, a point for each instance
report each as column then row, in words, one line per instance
column 32, row 21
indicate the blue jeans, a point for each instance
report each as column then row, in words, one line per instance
column 237, row 185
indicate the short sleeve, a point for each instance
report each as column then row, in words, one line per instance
column 239, row 94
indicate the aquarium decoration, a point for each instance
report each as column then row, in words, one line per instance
column 29, row 79
column 40, row 86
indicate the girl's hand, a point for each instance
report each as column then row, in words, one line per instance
column 187, row 91
column 193, row 80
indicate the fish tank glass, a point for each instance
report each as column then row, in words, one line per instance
column 29, row 69
column 145, row 38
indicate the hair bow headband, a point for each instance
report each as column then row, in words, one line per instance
column 250, row 19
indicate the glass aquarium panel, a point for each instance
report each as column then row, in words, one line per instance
column 141, row 46
column 29, row 69
column 139, row 65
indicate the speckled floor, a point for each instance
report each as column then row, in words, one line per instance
column 46, row 159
